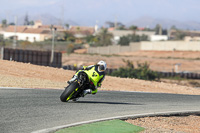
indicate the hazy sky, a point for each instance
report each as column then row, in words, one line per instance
column 88, row 11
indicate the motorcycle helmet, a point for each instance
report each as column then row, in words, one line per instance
column 102, row 66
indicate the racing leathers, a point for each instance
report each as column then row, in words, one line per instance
column 95, row 76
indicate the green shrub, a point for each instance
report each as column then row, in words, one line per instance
column 141, row 72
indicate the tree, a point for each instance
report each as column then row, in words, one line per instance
column 179, row 35
column 26, row 20
column 144, row 38
column 120, row 26
column 69, row 37
column 173, row 27
column 67, row 25
column 164, row 32
column 31, row 22
column 105, row 37
column 124, row 40
column 134, row 38
column 4, row 23
column 133, row 28
column 11, row 23
column 110, row 24
column 2, row 41
column 158, row 29
column 91, row 39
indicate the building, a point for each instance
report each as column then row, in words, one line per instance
column 37, row 32
column 188, row 35
column 158, row 38
column 190, row 38
column 119, row 33
column 82, row 31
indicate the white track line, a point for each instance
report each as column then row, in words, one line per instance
column 116, row 117
column 17, row 88
column 14, row 88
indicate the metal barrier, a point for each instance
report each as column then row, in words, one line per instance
column 33, row 57
column 187, row 75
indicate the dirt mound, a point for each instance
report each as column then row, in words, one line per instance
column 15, row 74
column 158, row 61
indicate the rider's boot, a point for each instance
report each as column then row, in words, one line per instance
column 75, row 99
column 85, row 92
column 73, row 79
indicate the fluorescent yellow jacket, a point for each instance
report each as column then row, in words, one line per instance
column 94, row 75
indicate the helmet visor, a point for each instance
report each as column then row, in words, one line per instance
column 101, row 68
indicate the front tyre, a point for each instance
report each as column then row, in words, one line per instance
column 68, row 92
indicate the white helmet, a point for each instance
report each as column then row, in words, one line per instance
column 102, row 66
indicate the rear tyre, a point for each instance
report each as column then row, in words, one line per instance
column 64, row 97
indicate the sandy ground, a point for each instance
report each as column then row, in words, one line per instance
column 159, row 61
column 14, row 74
column 165, row 54
column 183, row 124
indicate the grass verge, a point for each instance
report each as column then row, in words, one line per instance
column 112, row 126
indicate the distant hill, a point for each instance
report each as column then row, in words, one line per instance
column 166, row 23
column 46, row 19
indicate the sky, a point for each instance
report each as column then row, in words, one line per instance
column 98, row 11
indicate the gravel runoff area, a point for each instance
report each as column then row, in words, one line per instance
column 15, row 74
column 173, row 124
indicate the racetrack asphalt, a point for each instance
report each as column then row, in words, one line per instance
column 28, row 110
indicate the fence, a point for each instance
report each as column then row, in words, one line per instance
column 182, row 75
column 115, row 49
column 33, row 57
column 162, row 74
column 148, row 46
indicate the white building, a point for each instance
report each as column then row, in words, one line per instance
column 158, row 38
column 26, row 34
column 37, row 32
column 119, row 33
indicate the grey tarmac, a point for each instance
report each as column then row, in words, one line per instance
column 28, row 110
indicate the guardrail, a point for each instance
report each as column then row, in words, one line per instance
column 187, row 75
column 162, row 74
column 33, row 57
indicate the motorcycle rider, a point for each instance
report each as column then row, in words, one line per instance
column 98, row 70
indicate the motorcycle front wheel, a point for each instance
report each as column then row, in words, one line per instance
column 68, row 92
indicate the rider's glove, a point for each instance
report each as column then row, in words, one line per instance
column 73, row 79
column 84, row 67
column 99, row 84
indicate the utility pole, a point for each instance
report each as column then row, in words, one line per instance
column 53, row 43
column 116, row 22
column 2, row 52
column 62, row 15
column 15, row 35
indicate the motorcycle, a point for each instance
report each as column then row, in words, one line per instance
column 75, row 89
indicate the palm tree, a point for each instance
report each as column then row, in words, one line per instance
column 134, row 28
column 105, row 37
column 4, row 23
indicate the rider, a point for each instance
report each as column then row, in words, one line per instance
column 99, row 68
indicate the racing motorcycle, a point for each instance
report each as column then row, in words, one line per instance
column 76, row 89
